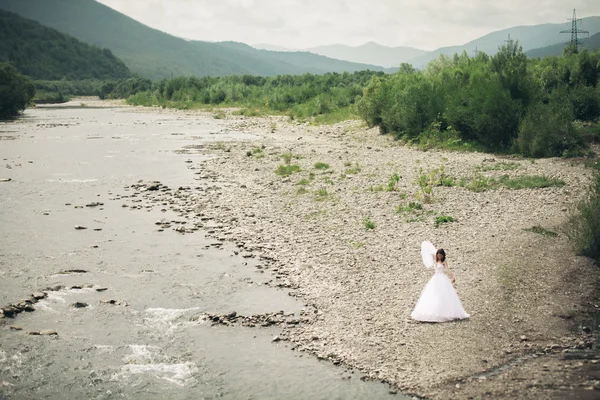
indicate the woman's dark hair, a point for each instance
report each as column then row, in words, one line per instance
column 442, row 253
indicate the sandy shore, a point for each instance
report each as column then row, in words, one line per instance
column 523, row 290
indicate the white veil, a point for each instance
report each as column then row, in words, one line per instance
column 428, row 251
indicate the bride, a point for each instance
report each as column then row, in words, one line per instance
column 439, row 301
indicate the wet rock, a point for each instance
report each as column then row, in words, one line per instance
column 73, row 271
column 29, row 308
column 80, row 227
column 55, row 288
column 80, row 305
column 587, row 329
column 33, row 333
column 39, row 295
column 116, row 302
column 15, row 328
column 94, row 204
column 76, row 287
column 101, row 289
column 48, row 332
column 9, row 312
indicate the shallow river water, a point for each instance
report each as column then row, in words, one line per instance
column 153, row 343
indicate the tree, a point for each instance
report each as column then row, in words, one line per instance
column 16, row 91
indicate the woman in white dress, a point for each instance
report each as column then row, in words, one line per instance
column 439, row 301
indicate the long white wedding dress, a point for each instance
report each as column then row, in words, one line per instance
column 438, row 302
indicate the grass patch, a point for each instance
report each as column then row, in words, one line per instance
column 448, row 140
column 392, row 185
column 378, row 188
column 303, row 182
column 353, row 170
column 499, row 166
column 411, row 207
column 219, row 115
column 322, row 194
column 287, row 170
column 301, row 190
column 357, row 245
column 443, row 219
column 593, row 163
column 482, row 183
column 541, row 231
column 321, row 165
column 256, row 151
column 369, row 224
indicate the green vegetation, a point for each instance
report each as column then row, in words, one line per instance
column 542, row 231
column 321, row 165
column 322, row 194
column 411, row 207
column 443, row 219
column 369, row 224
column 16, row 92
column 482, row 183
column 500, row 166
column 392, row 185
column 157, row 55
column 584, row 224
column 352, row 170
column 300, row 97
column 504, row 103
column 287, row 170
column 45, row 53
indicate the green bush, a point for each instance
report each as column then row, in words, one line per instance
column 548, row 130
column 16, row 91
column 584, row 224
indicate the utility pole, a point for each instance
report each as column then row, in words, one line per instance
column 509, row 41
column 574, row 31
column 476, row 52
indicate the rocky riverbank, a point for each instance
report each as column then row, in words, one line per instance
column 335, row 213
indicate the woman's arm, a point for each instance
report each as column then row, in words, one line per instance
column 452, row 279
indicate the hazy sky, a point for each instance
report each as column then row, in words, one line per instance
column 426, row 24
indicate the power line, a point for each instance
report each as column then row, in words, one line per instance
column 574, row 31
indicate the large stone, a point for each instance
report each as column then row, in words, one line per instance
column 39, row 295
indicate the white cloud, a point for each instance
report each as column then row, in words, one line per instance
column 426, row 24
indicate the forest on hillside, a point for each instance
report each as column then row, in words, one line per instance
column 45, row 53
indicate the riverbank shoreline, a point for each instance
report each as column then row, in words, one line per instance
column 334, row 213
column 523, row 289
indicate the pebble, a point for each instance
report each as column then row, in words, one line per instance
column 80, row 227
column 49, row 332
column 79, row 305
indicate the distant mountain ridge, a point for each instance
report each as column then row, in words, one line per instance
column 155, row 54
column 530, row 37
column 46, row 54
column 592, row 43
column 368, row 53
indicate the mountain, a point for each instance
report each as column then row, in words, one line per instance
column 592, row 43
column 155, row 54
column 46, row 54
column 530, row 37
column 370, row 53
column 270, row 47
